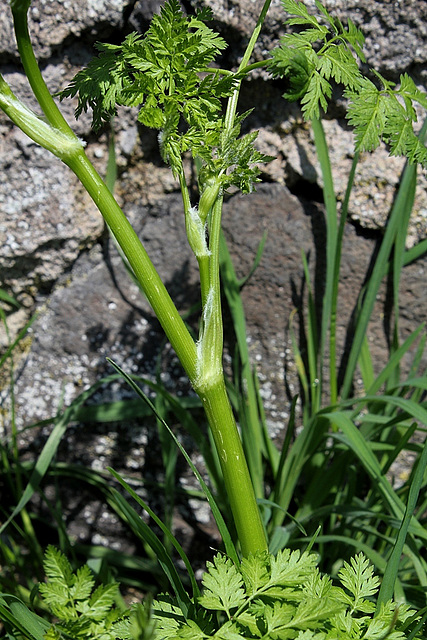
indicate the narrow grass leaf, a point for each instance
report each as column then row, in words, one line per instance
column 365, row 365
column 15, row 612
column 415, row 252
column 143, row 531
column 50, row 449
column 272, row 452
column 252, row 435
column 331, row 237
column 390, row 574
column 298, row 359
column 333, row 375
column 169, row 535
column 373, row 555
column 257, row 260
column 354, row 439
column 15, row 342
column 225, row 534
column 380, row 269
column 305, row 444
column 394, row 359
column 8, row 298
column 312, row 343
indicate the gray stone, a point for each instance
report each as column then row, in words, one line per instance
column 49, row 227
column 99, row 312
column 52, row 22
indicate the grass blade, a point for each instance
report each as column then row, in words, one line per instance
column 352, row 437
column 143, row 531
column 226, row 537
column 50, row 448
column 16, row 613
column 398, row 217
column 252, row 437
column 331, row 240
column 390, row 574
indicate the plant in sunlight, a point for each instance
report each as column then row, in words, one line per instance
column 258, row 588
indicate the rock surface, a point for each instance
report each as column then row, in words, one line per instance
column 55, row 254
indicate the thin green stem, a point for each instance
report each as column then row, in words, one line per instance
column 143, row 268
column 232, row 101
column 331, row 241
column 210, row 345
column 31, row 68
column 334, row 302
column 204, row 268
column 212, row 391
column 202, row 256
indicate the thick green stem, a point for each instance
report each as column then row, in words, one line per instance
column 141, row 264
column 237, row 480
column 211, row 389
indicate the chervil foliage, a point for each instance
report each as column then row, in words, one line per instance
column 387, row 113
column 281, row 597
column 315, row 56
column 167, row 74
column 359, row 579
column 326, row 50
column 82, row 611
column 158, row 72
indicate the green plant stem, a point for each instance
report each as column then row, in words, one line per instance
column 232, row 102
column 331, row 248
column 213, row 395
column 211, row 389
column 126, row 237
column 235, row 470
column 146, row 274
column 31, row 68
column 59, row 138
column 203, row 366
column 334, row 302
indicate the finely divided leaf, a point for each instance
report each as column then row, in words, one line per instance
column 168, row 616
column 223, row 586
column 339, row 64
column 255, row 572
column 57, row 567
column 83, row 583
column 82, row 612
column 100, row 603
column 367, row 112
column 101, row 84
column 290, row 568
column 300, row 13
column 359, row 579
column 387, row 114
column 278, row 617
column 317, row 95
column 308, row 66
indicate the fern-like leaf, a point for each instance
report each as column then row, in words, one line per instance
column 223, row 586
column 255, row 572
column 367, row 113
column 57, row 567
column 82, row 612
column 322, row 52
column 359, row 579
column 387, row 114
